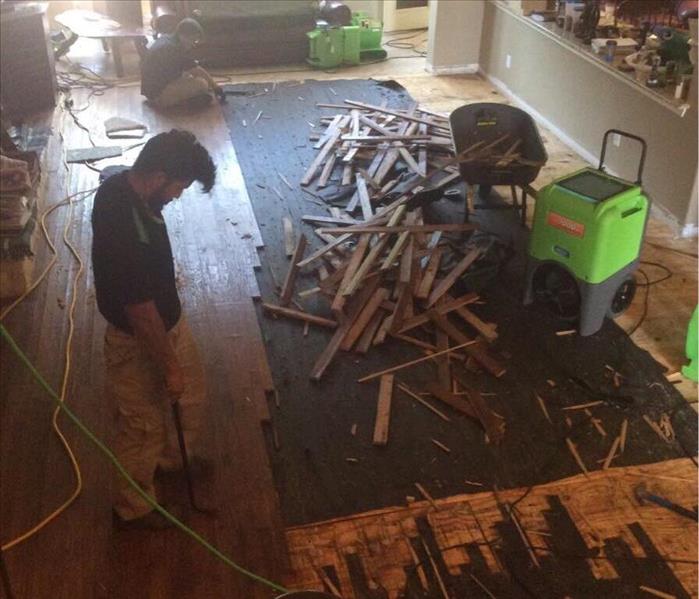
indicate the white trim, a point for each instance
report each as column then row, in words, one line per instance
column 456, row 69
column 540, row 118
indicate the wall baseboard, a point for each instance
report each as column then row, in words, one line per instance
column 540, row 118
column 456, row 69
column 689, row 231
column 657, row 210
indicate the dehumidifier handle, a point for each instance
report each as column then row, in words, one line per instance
column 640, row 140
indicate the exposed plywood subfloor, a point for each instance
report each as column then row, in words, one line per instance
column 601, row 506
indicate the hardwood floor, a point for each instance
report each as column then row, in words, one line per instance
column 80, row 555
column 214, row 242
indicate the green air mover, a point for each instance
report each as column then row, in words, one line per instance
column 331, row 46
column 585, row 243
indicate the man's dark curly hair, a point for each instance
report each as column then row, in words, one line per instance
column 180, row 156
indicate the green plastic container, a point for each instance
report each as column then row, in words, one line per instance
column 352, row 45
column 326, row 47
column 690, row 370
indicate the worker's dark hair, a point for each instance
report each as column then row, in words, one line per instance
column 180, row 156
column 189, row 28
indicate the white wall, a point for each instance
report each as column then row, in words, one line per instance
column 374, row 8
column 454, row 36
column 582, row 100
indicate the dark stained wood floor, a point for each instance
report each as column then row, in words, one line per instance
column 80, row 555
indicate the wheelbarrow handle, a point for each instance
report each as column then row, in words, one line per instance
column 640, row 140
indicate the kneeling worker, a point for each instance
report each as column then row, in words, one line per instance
column 150, row 356
column 169, row 76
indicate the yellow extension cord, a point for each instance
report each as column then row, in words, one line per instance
column 66, row 373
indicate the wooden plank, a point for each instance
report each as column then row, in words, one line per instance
column 404, row 388
column 367, row 337
column 612, row 453
column 412, row 363
column 456, row 402
column 486, row 329
column 443, row 367
column 320, row 158
column 363, row 194
column 382, row 333
column 487, row 361
column 430, row 273
column 390, row 259
column 409, row 160
column 374, row 125
column 350, row 155
column 359, row 229
column 375, row 139
column 373, row 255
column 406, row 263
column 364, row 317
column 357, row 303
column 352, row 267
column 324, row 250
column 327, row 170
column 574, row 452
column 332, row 127
column 347, row 174
column 426, row 495
column 442, row 308
column 402, row 115
column 298, row 315
column 383, row 410
column 446, row 283
column 369, row 179
column 422, row 153
column 288, row 236
column 312, row 218
column 494, row 425
column 403, row 307
column 354, row 118
column 288, row 287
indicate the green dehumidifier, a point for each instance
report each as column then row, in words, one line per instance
column 585, row 243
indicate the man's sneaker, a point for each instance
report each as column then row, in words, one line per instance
column 151, row 521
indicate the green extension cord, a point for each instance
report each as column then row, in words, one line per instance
column 112, row 458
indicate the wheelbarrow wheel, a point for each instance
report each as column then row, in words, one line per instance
column 622, row 298
column 484, row 191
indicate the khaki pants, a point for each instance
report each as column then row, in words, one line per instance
column 186, row 87
column 146, row 437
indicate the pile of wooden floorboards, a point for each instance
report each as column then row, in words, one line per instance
column 392, row 275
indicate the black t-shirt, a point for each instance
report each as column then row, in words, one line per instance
column 164, row 61
column 131, row 255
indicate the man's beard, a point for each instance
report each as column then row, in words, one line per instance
column 157, row 200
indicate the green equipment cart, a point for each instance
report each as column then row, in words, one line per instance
column 586, row 241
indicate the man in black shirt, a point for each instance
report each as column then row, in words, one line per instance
column 151, row 358
column 169, row 75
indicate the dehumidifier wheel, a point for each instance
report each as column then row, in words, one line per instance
column 484, row 191
column 623, row 297
column 554, row 286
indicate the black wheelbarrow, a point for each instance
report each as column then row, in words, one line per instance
column 501, row 146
